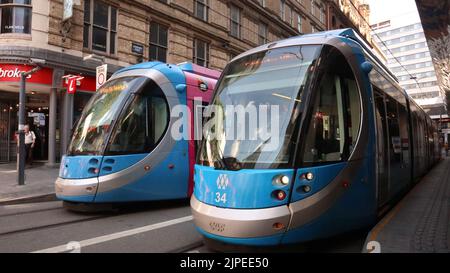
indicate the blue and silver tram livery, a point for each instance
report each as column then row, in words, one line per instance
column 346, row 142
column 122, row 149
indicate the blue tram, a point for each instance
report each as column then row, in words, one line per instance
column 122, row 149
column 350, row 142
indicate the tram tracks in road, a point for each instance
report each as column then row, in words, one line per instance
column 52, row 225
column 27, row 212
column 119, row 235
column 35, row 222
column 51, row 217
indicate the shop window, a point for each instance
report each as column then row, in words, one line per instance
column 100, row 27
column 15, row 16
column 158, row 42
column 80, row 101
column 336, row 114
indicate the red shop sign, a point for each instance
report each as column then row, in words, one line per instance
column 72, row 86
column 86, row 84
column 72, row 82
column 11, row 73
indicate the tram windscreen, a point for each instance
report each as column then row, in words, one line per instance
column 96, row 120
column 252, row 120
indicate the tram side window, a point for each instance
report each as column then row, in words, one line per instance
column 336, row 115
column 404, row 133
column 142, row 124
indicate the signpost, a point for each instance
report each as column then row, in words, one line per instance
column 102, row 72
column 72, row 82
column 72, row 86
column 22, row 98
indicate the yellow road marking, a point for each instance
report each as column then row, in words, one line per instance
column 377, row 229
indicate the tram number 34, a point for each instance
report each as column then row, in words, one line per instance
column 220, row 197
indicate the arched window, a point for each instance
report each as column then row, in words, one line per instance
column 142, row 124
column 336, row 112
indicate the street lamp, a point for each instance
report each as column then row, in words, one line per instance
column 22, row 97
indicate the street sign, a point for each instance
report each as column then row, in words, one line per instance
column 100, row 78
column 72, row 86
column 72, row 82
column 137, row 48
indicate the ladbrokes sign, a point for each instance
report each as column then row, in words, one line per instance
column 11, row 73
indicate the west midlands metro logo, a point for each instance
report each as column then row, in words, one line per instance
column 11, row 73
column 222, row 181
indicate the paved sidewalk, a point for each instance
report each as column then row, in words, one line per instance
column 39, row 183
column 420, row 223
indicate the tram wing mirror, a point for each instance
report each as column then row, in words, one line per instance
column 180, row 87
column 366, row 67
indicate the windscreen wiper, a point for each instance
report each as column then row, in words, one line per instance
column 223, row 163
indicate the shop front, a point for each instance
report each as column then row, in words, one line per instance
column 43, row 91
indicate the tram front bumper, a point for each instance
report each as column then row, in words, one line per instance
column 76, row 190
column 239, row 223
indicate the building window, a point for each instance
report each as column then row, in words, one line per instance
column 100, row 27
column 201, row 53
column 201, row 9
column 231, row 56
column 283, row 9
column 313, row 29
column 262, row 3
column 322, row 15
column 291, row 17
column 158, row 42
column 235, row 21
column 300, row 24
column 262, row 33
column 313, row 5
column 15, row 16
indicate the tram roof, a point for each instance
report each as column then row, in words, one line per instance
column 186, row 67
column 321, row 38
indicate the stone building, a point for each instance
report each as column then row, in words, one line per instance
column 73, row 37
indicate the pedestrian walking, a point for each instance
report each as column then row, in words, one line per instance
column 30, row 139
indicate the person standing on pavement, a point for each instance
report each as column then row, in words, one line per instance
column 30, row 139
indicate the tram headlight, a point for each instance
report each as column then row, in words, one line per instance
column 282, row 180
column 306, row 188
column 279, row 195
column 309, row 176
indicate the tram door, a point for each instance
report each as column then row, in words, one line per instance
column 382, row 148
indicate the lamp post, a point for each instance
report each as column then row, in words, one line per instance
column 22, row 97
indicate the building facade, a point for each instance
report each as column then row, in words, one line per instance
column 73, row 37
column 408, row 57
column 358, row 12
column 434, row 15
